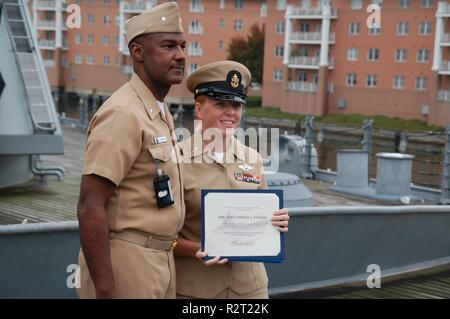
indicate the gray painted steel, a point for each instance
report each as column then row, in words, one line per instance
column 295, row 194
column 394, row 174
column 353, row 169
column 292, row 156
column 325, row 246
column 28, row 120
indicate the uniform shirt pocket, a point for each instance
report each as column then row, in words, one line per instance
column 162, row 152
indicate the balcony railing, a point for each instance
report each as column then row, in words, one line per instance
column 45, row 4
column 195, row 51
column 311, row 13
column 445, row 66
column 300, row 86
column 308, row 62
column 195, row 30
column 44, row 43
column 49, row 63
column 310, row 37
column 46, row 24
column 443, row 96
column 139, row 6
column 445, row 38
column 127, row 69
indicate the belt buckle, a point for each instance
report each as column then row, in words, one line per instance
column 173, row 245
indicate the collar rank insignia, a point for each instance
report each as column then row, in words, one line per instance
column 245, row 167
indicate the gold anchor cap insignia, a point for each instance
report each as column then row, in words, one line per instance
column 234, row 81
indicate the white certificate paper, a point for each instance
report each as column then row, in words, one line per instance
column 239, row 224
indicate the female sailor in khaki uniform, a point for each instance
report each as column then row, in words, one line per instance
column 219, row 90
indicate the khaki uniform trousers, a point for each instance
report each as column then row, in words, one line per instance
column 139, row 272
column 230, row 294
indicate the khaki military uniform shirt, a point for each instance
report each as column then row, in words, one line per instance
column 126, row 138
column 194, row 279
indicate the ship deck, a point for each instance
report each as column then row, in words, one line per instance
column 50, row 200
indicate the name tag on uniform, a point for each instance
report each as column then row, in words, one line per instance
column 160, row 139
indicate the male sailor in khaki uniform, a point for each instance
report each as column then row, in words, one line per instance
column 219, row 89
column 131, row 204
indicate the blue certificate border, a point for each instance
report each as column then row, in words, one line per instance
column 270, row 259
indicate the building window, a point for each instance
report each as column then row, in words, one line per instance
column 106, row 20
column 405, row 3
column 106, row 59
column 277, row 75
column 401, row 55
column 90, row 18
column 195, row 27
column 374, row 31
column 105, row 39
column 356, row 4
column 238, row 25
column 221, row 45
column 239, row 4
column 78, row 39
column 403, row 28
column 263, row 10
column 303, row 76
column 354, row 28
column 399, row 82
column 78, row 59
column 281, row 5
column 279, row 51
column 427, row 3
column 106, row 2
column 117, row 20
column 117, row 40
column 421, row 83
column 351, row 79
column 192, row 67
column 196, row 6
column 353, row 54
column 117, row 60
column 371, row 80
column 195, row 49
column 423, row 55
column 222, row 4
column 304, row 27
column 90, row 60
column 222, row 23
column 279, row 28
column 425, row 28
column 373, row 54
column 90, row 39
column 303, row 51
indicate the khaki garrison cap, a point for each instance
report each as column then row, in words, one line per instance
column 162, row 18
column 221, row 80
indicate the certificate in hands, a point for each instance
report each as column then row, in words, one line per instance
column 237, row 225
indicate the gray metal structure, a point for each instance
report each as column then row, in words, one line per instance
column 28, row 121
column 394, row 174
column 295, row 194
column 293, row 159
column 325, row 246
column 352, row 169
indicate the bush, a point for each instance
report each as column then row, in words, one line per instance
column 254, row 101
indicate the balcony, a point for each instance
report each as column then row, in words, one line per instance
column 138, row 6
column 310, row 63
column 46, row 24
column 195, row 30
column 444, row 68
column 45, row 5
column 446, row 12
column 46, row 44
column 127, row 69
column 310, row 37
column 293, row 12
column 445, row 40
column 49, row 63
column 299, row 86
column 192, row 51
column 443, row 96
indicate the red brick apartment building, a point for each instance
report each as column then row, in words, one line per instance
column 320, row 56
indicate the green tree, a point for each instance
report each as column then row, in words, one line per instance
column 249, row 52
